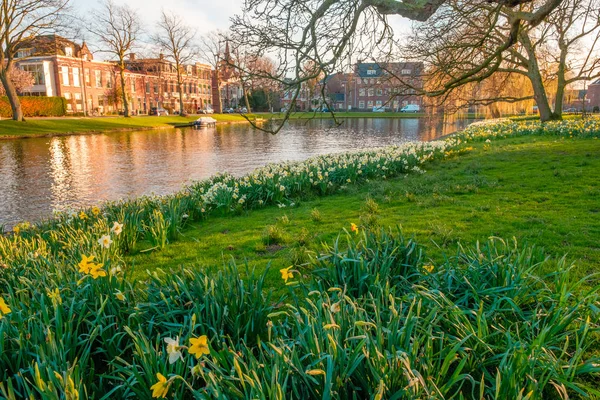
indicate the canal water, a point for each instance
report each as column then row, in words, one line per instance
column 40, row 175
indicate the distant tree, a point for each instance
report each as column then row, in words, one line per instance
column 177, row 40
column 211, row 50
column 117, row 29
column 21, row 80
column 329, row 33
column 20, row 22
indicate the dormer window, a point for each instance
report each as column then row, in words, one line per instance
column 69, row 51
column 371, row 72
column 24, row 53
column 406, row 72
column 85, row 57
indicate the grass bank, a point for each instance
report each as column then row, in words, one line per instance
column 68, row 125
column 35, row 127
column 539, row 190
column 347, row 307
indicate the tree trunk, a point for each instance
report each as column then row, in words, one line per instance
column 535, row 77
column 560, row 85
column 246, row 100
column 11, row 93
column 123, row 91
column 180, row 91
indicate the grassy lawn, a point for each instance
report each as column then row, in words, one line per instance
column 53, row 126
column 539, row 190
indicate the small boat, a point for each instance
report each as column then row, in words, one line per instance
column 204, row 121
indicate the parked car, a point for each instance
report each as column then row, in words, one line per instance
column 229, row 111
column 205, row 111
column 158, row 111
column 243, row 110
column 411, row 108
column 378, row 109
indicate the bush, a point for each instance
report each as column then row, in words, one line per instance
column 36, row 106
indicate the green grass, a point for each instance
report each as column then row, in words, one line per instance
column 66, row 125
column 539, row 190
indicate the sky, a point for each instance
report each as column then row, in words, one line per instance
column 205, row 15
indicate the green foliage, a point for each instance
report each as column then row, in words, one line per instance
column 36, row 106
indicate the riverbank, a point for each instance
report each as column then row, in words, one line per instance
column 173, row 294
column 42, row 127
column 39, row 127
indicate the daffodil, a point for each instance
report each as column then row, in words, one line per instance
column 286, row 273
column 105, row 241
column 160, row 388
column 354, row 228
column 120, row 296
column 95, row 211
column 173, row 349
column 96, row 271
column 83, row 216
column 428, row 267
column 335, row 307
column 85, row 264
column 117, row 228
column 55, row 296
column 4, row 308
column 199, row 346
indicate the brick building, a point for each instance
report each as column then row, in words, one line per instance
column 160, row 83
column 389, row 86
column 593, row 97
column 227, row 91
column 63, row 68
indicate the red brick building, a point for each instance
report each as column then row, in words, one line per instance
column 593, row 96
column 63, row 68
column 388, row 86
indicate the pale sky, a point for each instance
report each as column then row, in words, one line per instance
column 204, row 15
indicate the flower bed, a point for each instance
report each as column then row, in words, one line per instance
column 370, row 317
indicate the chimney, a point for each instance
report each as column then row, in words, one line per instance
column 131, row 56
column 161, row 56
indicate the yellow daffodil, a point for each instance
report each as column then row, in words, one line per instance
column 199, row 346
column 160, row 388
column 55, row 296
column 85, row 264
column 335, row 307
column 16, row 229
column 96, row 271
column 4, row 308
column 354, row 228
column 314, row 372
column 428, row 267
column 286, row 273
column 105, row 241
column 83, row 216
column 119, row 295
column 95, row 211
column 117, row 228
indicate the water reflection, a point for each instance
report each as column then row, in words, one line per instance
column 42, row 175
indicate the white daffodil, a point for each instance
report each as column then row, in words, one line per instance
column 117, row 228
column 173, row 349
column 105, row 241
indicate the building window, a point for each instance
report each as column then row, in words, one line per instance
column 378, row 103
column 98, row 75
column 371, row 72
column 69, row 51
column 371, row 92
column 132, row 80
column 86, row 76
column 156, row 88
column 76, row 77
column 370, row 104
column 109, row 82
column 65, row 75
column 147, row 87
column 23, row 53
column 37, row 70
column 361, row 104
column 406, row 72
column 379, row 92
column 361, row 91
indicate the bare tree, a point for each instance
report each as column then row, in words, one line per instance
column 458, row 40
column 328, row 33
column 20, row 22
column 177, row 40
column 211, row 51
column 117, row 29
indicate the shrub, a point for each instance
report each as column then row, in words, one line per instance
column 36, row 106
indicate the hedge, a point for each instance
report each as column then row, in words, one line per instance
column 35, row 106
